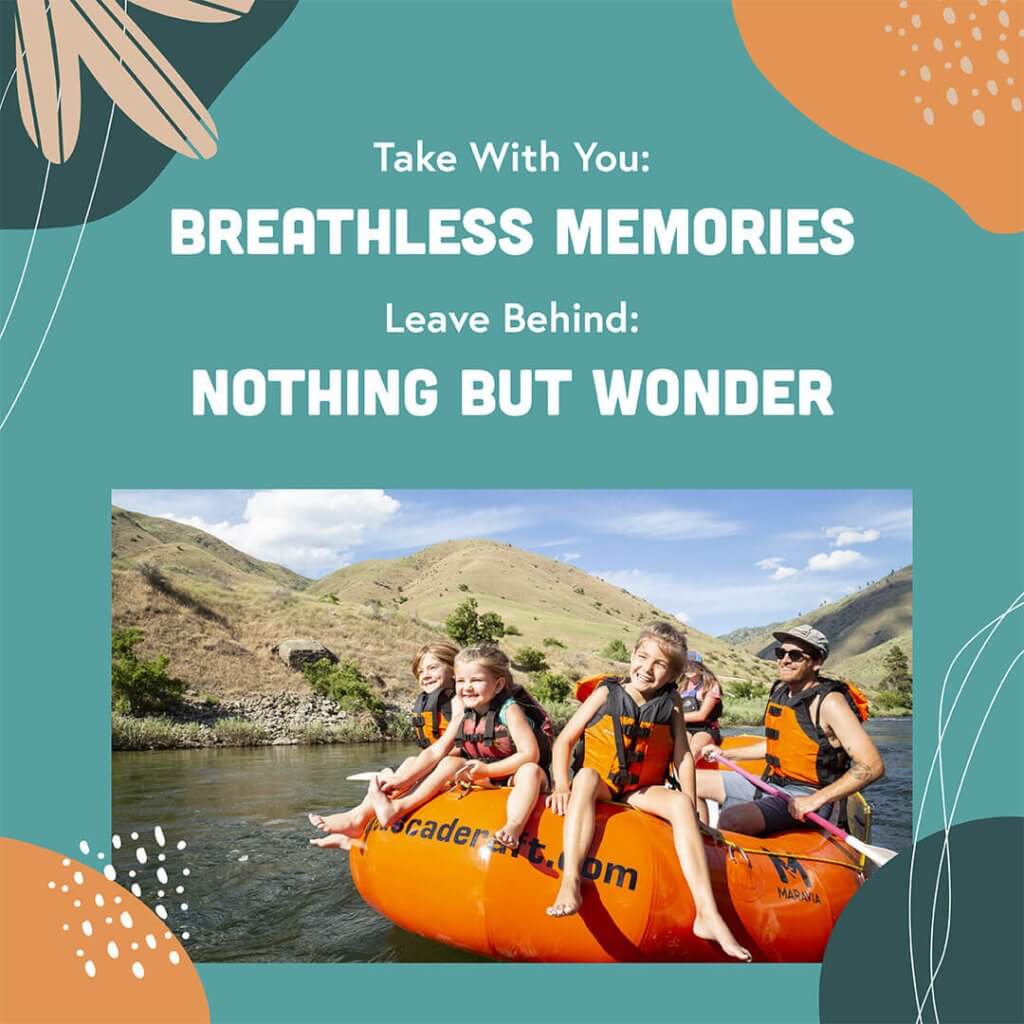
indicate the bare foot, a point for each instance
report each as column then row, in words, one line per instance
column 338, row 823
column 382, row 806
column 508, row 835
column 567, row 902
column 713, row 927
column 338, row 842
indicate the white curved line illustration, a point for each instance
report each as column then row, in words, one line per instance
column 31, row 244
column 71, row 266
column 952, row 814
column 992, row 626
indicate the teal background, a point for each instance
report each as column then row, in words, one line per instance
column 920, row 328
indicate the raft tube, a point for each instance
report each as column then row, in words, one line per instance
column 437, row 873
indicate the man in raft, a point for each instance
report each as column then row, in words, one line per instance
column 625, row 736
column 815, row 746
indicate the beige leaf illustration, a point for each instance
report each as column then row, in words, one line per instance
column 140, row 80
column 49, row 88
column 197, row 10
column 52, row 38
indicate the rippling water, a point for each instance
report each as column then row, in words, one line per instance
column 258, row 892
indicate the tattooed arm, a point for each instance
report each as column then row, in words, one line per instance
column 866, row 765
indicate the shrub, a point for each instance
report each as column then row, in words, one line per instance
column 529, row 659
column 139, row 686
column 345, row 684
column 887, row 701
column 616, row 650
column 511, row 630
column 748, row 689
column 560, row 712
column 550, row 688
column 237, row 732
column 464, row 587
column 466, row 626
column 550, row 641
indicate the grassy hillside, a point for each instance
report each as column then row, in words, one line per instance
column 136, row 538
column 218, row 612
column 861, row 627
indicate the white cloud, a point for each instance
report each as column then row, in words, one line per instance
column 844, row 536
column 834, row 561
column 561, row 542
column 776, row 568
column 716, row 607
column 571, row 556
column 311, row 531
column 667, row 524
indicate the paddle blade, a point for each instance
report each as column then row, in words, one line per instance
column 362, row 776
column 876, row 854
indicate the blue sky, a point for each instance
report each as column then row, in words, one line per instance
column 717, row 559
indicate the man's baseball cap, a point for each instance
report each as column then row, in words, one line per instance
column 806, row 634
column 696, row 657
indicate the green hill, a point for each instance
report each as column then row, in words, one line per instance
column 218, row 612
column 861, row 627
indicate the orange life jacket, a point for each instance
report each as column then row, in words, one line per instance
column 628, row 744
column 431, row 713
column 798, row 748
column 484, row 737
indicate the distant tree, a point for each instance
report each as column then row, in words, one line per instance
column 344, row 683
column 897, row 669
column 466, row 626
column 616, row 650
column 550, row 687
column 139, row 686
column 529, row 659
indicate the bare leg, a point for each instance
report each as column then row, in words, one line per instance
column 348, row 823
column 388, row 810
column 676, row 809
column 353, row 821
column 587, row 788
column 709, row 787
column 529, row 780
column 337, row 842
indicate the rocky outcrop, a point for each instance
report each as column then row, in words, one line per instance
column 284, row 717
column 298, row 651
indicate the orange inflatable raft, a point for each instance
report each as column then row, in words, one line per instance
column 437, row 873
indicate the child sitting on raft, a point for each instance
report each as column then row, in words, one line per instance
column 631, row 731
column 435, row 710
column 702, row 704
column 501, row 741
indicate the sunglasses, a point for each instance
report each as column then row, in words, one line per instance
column 782, row 653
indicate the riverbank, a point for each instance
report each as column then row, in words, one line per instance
column 291, row 719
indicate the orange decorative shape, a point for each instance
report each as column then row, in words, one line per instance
column 934, row 87
column 42, row 977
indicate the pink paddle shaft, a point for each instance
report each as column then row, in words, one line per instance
column 769, row 788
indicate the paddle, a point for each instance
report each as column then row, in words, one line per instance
column 876, row 854
column 362, row 777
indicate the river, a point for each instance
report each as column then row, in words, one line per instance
column 256, row 891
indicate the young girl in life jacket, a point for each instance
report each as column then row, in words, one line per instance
column 501, row 741
column 434, row 711
column 702, row 704
column 631, row 731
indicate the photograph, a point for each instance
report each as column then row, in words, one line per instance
column 542, row 726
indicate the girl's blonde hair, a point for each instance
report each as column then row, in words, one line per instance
column 443, row 651
column 671, row 641
column 492, row 658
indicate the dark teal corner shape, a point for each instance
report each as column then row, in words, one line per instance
column 207, row 57
column 978, row 895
